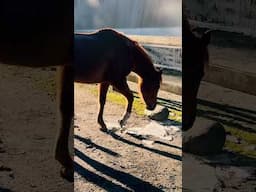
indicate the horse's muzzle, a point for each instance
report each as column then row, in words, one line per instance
column 151, row 107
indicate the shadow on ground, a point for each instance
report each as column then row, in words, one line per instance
column 235, row 118
column 159, row 152
column 175, row 105
column 240, row 118
column 5, row 189
column 90, row 144
column 126, row 179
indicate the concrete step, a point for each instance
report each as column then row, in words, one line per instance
column 232, row 78
column 233, row 68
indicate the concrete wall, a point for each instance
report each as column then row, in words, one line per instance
column 229, row 15
column 91, row 14
column 165, row 57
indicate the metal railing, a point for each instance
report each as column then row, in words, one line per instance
column 165, row 57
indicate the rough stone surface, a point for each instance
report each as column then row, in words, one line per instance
column 206, row 137
column 159, row 114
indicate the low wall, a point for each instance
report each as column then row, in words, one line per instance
column 232, row 78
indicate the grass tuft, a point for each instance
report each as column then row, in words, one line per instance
column 138, row 105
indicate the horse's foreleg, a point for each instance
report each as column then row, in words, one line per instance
column 103, row 88
column 66, row 104
column 124, row 89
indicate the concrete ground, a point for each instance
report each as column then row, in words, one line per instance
column 122, row 161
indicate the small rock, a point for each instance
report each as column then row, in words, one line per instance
column 11, row 175
column 2, row 150
column 32, row 185
column 76, row 126
column 158, row 114
column 122, row 166
column 4, row 168
column 206, row 137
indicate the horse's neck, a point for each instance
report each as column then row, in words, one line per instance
column 144, row 71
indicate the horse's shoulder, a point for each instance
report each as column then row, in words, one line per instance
column 107, row 31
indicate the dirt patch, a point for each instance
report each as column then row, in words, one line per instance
column 114, row 162
column 234, row 169
column 27, row 130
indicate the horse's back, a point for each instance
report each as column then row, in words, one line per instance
column 98, row 55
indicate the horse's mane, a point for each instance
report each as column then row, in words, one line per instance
column 131, row 43
column 134, row 46
column 143, row 52
column 188, row 32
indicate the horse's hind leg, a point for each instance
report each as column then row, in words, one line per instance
column 103, row 89
column 66, row 103
column 123, row 88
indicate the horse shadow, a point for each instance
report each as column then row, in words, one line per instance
column 157, row 151
column 139, row 137
column 126, row 141
column 90, row 144
column 240, row 118
column 97, row 180
column 228, row 158
column 176, row 105
column 2, row 189
column 128, row 180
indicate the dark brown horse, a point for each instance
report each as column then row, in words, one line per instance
column 32, row 36
column 107, row 57
column 195, row 59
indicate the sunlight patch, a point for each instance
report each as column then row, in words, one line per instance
column 94, row 3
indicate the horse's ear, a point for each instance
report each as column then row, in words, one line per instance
column 206, row 38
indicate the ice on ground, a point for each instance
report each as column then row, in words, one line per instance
column 158, row 130
column 151, row 131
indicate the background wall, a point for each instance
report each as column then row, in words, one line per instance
column 230, row 15
column 91, row 14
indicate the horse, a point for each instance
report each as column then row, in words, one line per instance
column 31, row 36
column 194, row 62
column 106, row 57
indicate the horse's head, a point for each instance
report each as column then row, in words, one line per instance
column 149, row 77
column 195, row 59
column 149, row 89
column 196, row 52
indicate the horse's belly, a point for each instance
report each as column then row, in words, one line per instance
column 89, row 75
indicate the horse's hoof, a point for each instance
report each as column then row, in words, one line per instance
column 67, row 173
column 121, row 123
column 105, row 130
